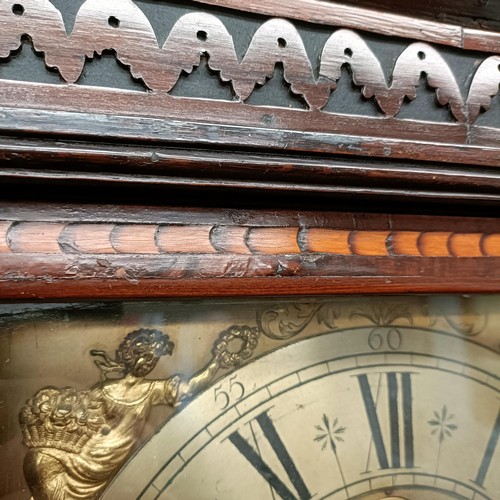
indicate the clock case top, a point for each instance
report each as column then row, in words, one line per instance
column 320, row 148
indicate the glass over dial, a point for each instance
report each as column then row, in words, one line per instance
column 416, row 417
column 368, row 398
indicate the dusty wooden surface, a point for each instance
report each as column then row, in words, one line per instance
column 378, row 17
column 79, row 143
column 67, row 252
column 311, row 78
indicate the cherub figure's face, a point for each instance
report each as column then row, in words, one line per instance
column 141, row 350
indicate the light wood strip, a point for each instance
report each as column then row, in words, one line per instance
column 93, row 238
column 369, row 242
column 35, row 237
column 491, row 245
column 434, row 244
column 273, row 240
column 487, row 41
column 404, row 243
column 465, row 245
column 230, row 239
column 327, row 241
column 184, row 239
column 4, row 230
column 87, row 238
column 139, row 238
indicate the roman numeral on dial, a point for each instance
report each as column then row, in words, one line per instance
column 272, row 436
column 399, row 396
column 488, row 454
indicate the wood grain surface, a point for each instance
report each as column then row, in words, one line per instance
column 102, row 238
column 378, row 18
column 276, row 41
column 353, row 136
column 155, row 115
column 141, row 252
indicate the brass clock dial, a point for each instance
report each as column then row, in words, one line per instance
column 414, row 415
column 393, row 398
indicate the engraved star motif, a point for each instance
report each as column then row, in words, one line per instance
column 442, row 425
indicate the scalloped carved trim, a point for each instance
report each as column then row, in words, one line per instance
column 367, row 19
column 157, row 239
column 121, row 26
column 486, row 84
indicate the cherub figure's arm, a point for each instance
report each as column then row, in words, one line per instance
column 190, row 387
column 178, row 388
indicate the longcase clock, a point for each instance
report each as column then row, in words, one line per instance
column 249, row 250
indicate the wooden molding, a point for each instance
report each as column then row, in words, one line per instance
column 372, row 20
column 120, row 25
column 166, row 255
column 160, row 239
column 157, row 115
column 330, row 133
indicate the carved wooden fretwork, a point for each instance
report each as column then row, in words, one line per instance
column 347, row 15
column 122, row 27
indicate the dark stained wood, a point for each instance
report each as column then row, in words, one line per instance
column 253, row 192
column 161, row 115
column 185, row 216
column 440, row 142
column 478, row 13
column 57, row 136
column 143, row 167
column 56, row 155
column 380, row 18
column 92, row 113
column 480, row 39
column 95, row 289
column 105, row 252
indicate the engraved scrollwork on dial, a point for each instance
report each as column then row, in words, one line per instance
column 290, row 320
column 468, row 325
column 384, row 315
column 462, row 314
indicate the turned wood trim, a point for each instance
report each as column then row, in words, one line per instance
column 70, row 252
column 139, row 239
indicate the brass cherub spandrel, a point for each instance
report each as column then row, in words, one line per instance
column 78, row 440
